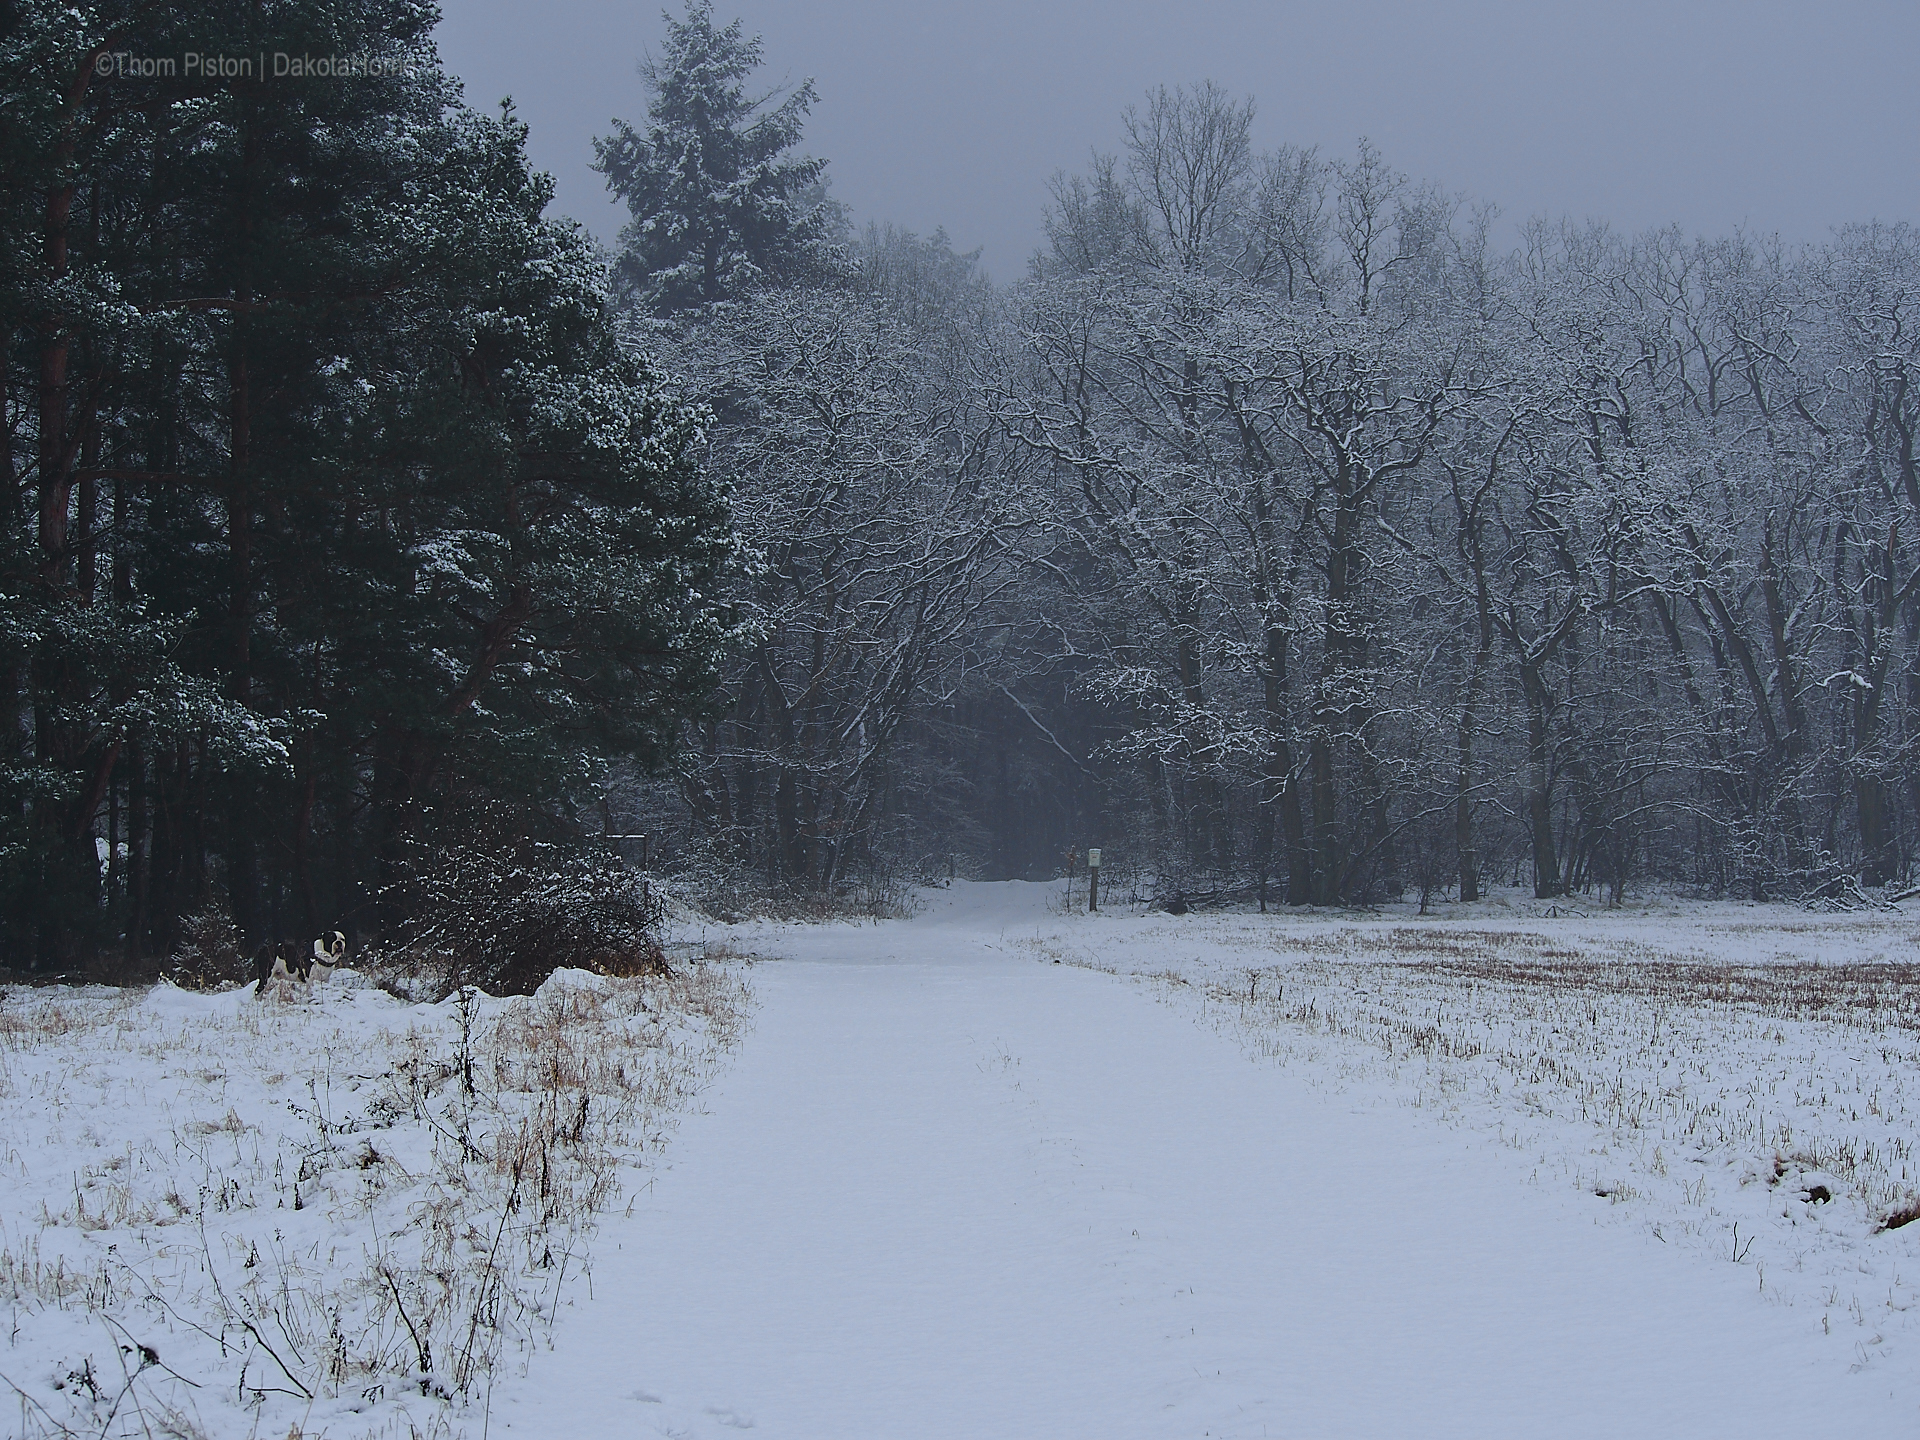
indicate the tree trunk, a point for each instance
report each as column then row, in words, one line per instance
column 1344, row 647
column 1546, row 865
column 1879, row 855
column 302, row 837
column 139, row 833
column 243, row 879
column 1463, row 835
column 87, row 541
column 54, row 454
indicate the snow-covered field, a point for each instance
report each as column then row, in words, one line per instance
column 1000, row 1170
column 1739, row 1087
column 345, row 1215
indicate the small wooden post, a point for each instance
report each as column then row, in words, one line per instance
column 1093, row 879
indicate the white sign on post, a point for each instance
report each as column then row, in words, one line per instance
column 1093, row 859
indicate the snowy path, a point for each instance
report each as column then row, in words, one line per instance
column 948, row 1193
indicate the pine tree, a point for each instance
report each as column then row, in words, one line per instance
column 719, row 200
column 331, row 494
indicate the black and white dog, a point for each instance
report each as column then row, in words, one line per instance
column 285, row 960
column 329, row 954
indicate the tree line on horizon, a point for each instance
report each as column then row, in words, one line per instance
column 1278, row 531
column 1274, row 531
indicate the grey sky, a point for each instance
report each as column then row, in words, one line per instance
column 1787, row 117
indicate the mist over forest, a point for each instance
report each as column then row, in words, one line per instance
column 1292, row 528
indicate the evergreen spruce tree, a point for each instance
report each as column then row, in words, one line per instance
column 719, row 200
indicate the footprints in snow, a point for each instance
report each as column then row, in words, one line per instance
column 670, row 1425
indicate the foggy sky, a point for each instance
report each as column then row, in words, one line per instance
column 1785, row 118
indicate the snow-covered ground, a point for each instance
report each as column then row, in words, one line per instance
column 953, row 1189
column 1002, row 1170
column 343, row 1215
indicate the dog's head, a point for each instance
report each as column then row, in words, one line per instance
column 330, row 948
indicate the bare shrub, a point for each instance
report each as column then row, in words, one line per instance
column 505, row 919
column 709, row 877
